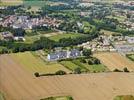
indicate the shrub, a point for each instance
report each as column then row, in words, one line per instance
column 125, row 69
column 60, row 72
column 117, row 70
column 83, row 61
column 96, row 61
column 37, row 74
column 90, row 62
column 77, row 71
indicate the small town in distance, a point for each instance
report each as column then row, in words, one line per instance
column 66, row 49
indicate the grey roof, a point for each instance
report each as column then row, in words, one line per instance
column 74, row 53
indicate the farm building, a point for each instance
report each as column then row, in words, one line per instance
column 63, row 55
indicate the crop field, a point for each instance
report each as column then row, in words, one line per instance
column 34, row 64
column 66, row 35
column 18, row 84
column 115, row 60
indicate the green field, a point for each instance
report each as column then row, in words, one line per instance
column 35, row 64
column 69, row 65
column 66, row 35
column 59, row 98
column 72, row 65
column 91, row 68
column 127, row 97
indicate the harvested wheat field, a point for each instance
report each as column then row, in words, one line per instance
column 18, row 84
column 115, row 60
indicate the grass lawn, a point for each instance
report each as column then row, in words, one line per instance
column 59, row 98
column 91, row 68
column 72, row 65
column 35, row 64
column 69, row 65
column 96, row 68
column 127, row 97
column 65, row 35
column 31, row 39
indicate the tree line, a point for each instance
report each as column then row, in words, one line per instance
column 45, row 43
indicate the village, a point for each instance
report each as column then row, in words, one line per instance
column 25, row 22
column 121, row 44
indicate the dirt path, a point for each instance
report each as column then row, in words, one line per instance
column 18, row 84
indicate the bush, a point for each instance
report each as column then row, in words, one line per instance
column 96, row 61
column 86, row 52
column 37, row 74
column 83, row 61
column 77, row 71
column 125, row 69
column 117, row 70
column 60, row 72
column 90, row 62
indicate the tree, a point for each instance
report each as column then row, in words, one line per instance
column 60, row 72
column 86, row 52
column 37, row 74
column 125, row 69
column 96, row 61
column 90, row 62
column 83, row 60
column 77, row 71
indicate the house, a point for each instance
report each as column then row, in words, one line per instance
column 53, row 57
column 57, row 56
column 63, row 55
column 74, row 53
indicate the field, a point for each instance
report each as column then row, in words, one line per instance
column 85, row 67
column 18, row 84
column 10, row 2
column 109, row 32
column 66, row 35
column 34, row 64
column 115, row 60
